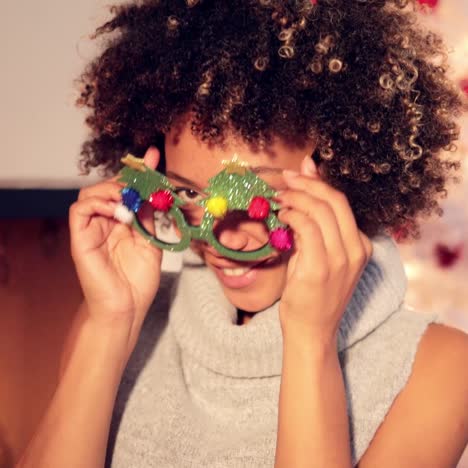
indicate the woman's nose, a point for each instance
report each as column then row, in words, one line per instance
column 234, row 239
column 237, row 232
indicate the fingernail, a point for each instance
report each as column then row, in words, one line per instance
column 289, row 173
column 308, row 166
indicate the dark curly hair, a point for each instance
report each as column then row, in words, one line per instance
column 362, row 78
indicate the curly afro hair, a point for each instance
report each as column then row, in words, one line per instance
column 361, row 78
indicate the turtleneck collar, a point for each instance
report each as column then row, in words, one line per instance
column 204, row 322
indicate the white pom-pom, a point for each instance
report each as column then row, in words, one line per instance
column 123, row 214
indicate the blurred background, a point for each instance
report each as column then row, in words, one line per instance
column 44, row 46
column 437, row 265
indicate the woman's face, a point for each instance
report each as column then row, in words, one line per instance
column 251, row 286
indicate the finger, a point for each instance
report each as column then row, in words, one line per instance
column 146, row 218
column 151, row 158
column 116, row 179
column 108, row 190
column 339, row 203
column 310, row 242
column 322, row 213
column 81, row 212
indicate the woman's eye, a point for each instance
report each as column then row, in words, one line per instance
column 188, row 195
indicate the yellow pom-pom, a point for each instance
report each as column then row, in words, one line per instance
column 217, row 206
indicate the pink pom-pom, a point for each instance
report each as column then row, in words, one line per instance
column 281, row 239
column 162, row 200
column 259, row 208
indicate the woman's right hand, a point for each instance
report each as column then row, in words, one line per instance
column 118, row 269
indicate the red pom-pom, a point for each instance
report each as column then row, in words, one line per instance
column 162, row 200
column 259, row 208
column 281, row 239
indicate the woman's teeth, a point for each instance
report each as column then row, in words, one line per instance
column 235, row 271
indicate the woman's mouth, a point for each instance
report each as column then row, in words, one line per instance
column 236, row 278
column 235, row 271
column 239, row 275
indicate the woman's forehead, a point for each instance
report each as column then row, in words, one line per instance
column 185, row 151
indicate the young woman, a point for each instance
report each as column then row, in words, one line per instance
column 307, row 357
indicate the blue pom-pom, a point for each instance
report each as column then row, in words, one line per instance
column 131, row 199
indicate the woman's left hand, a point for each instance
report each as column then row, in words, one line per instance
column 329, row 256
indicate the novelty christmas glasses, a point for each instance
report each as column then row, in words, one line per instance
column 171, row 217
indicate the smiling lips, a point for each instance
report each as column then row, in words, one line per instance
column 237, row 276
column 235, row 271
column 241, row 274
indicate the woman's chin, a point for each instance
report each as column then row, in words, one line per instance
column 249, row 302
column 250, row 287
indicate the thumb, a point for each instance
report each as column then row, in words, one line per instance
column 151, row 158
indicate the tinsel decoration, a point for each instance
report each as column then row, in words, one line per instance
column 145, row 182
column 239, row 186
column 236, row 188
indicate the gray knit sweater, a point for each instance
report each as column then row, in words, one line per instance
column 201, row 391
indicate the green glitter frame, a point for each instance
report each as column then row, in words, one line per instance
column 236, row 184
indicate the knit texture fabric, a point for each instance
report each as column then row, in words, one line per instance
column 200, row 390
